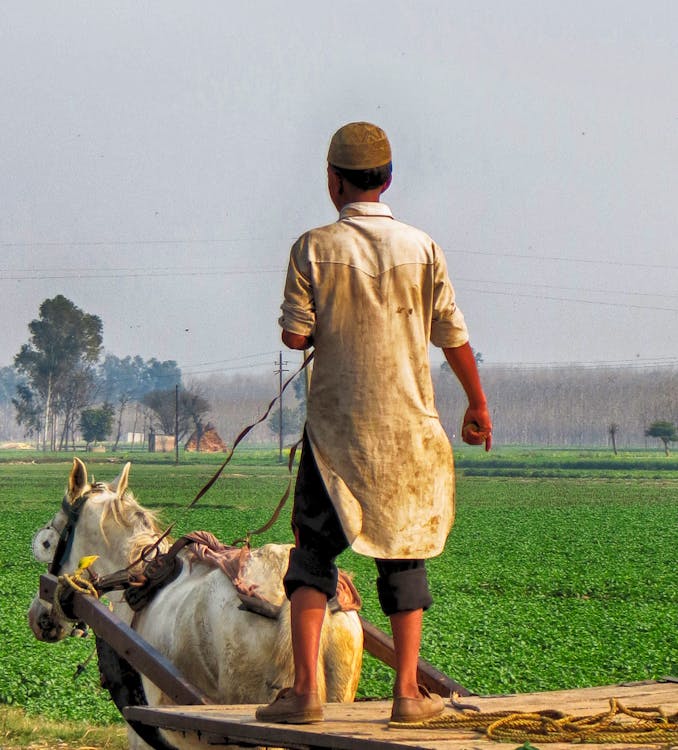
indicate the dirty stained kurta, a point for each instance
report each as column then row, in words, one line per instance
column 372, row 292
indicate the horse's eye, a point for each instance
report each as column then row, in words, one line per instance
column 46, row 544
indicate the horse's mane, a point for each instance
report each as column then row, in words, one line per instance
column 126, row 512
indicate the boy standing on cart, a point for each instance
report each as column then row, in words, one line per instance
column 376, row 471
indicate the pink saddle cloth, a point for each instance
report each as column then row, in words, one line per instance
column 239, row 564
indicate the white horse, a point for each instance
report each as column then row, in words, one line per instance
column 197, row 621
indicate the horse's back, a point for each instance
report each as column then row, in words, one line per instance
column 199, row 623
column 238, row 656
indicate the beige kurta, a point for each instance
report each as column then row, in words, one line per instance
column 372, row 292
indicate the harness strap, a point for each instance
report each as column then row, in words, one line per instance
column 65, row 543
column 281, row 502
column 245, row 432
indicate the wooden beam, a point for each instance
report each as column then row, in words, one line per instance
column 143, row 657
column 128, row 644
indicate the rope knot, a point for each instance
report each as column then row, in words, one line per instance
column 67, row 585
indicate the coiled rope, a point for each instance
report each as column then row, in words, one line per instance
column 617, row 724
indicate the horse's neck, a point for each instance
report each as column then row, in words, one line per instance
column 110, row 541
column 119, row 540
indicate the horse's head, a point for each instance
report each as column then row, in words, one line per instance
column 94, row 519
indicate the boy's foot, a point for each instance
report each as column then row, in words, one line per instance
column 413, row 710
column 290, row 708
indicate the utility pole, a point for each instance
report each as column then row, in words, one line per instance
column 279, row 372
column 176, row 424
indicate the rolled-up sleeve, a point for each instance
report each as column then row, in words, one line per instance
column 448, row 327
column 298, row 307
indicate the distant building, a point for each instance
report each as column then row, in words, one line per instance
column 159, row 443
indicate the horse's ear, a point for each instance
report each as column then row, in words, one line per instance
column 77, row 481
column 119, row 485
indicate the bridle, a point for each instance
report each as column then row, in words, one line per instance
column 65, row 543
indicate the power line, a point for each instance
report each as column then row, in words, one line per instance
column 124, row 273
column 168, row 272
column 234, row 359
column 224, row 366
column 561, row 259
column 253, row 366
column 637, row 363
column 557, row 286
column 125, row 243
column 226, row 240
column 47, row 273
column 645, row 364
column 625, row 305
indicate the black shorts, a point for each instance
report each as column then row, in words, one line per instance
column 402, row 585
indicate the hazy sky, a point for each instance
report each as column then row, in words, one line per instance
column 157, row 160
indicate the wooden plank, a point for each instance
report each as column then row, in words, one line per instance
column 364, row 725
column 129, row 645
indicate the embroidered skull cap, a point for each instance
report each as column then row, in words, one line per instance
column 359, row 145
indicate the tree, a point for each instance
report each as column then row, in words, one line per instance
column 612, row 431
column 64, row 341
column 665, row 431
column 292, row 422
column 194, row 403
column 95, row 424
column 301, row 385
column 77, row 393
column 9, row 379
column 191, row 408
column 122, row 381
column 9, row 382
column 163, row 404
column 159, row 376
column 28, row 412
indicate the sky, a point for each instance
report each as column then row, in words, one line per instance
column 159, row 158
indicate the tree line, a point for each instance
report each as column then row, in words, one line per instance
column 540, row 406
column 61, row 388
column 571, row 406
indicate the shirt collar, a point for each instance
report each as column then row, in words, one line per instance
column 365, row 208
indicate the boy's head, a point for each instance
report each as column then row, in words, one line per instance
column 361, row 154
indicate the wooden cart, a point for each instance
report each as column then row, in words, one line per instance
column 124, row 656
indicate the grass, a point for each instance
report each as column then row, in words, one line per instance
column 546, row 582
column 18, row 730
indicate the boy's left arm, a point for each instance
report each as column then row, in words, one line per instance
column 463, row 363
column 295, row 340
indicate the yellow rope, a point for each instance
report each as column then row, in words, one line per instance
column 647, row 725
column 78, row 583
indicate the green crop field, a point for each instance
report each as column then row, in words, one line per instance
column 560, row 571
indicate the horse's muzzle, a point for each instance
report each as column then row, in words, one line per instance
column 44, row 626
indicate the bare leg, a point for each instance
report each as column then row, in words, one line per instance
column 307, row 614
column 410, row 704
column 406, row 629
